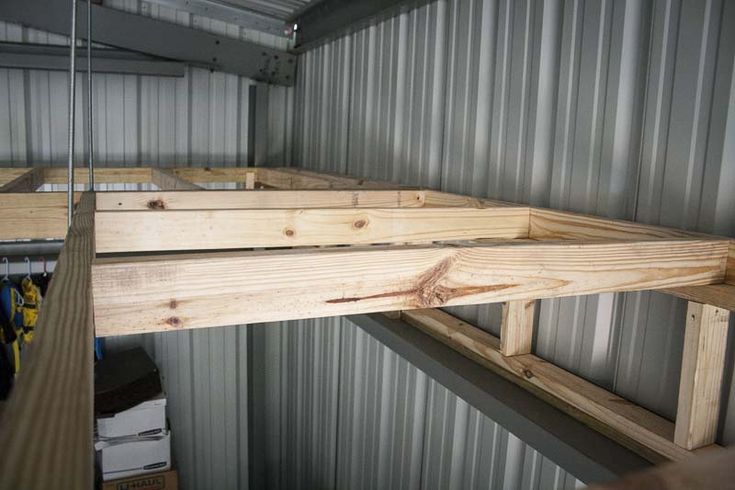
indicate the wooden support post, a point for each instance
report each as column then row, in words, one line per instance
column 169, row 181
column 516, row 332
column 46, row 428
column 250, row 180
column 700, row 388
column 27, row 182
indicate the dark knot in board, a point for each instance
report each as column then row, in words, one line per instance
column 156, row 204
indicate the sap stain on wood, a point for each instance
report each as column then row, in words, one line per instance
column 428, row 292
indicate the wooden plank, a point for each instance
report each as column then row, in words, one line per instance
column 730, row 275
column 29, row 181
column 627, row 423
column 11, row 173
column 262, row 199
column 719, row 295
column 47, row 421
column 562, row 225
column 166, row 180
column 34, row 216
column 141, row 231
column 445, row 199
column 206, row 175
column 516, row 331
column 297, row 178
column 139, row 294
column 102, row 175
column 700, row 387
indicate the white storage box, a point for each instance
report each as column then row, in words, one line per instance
column 147, row 416
column 121, row 457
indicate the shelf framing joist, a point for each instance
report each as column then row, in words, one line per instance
column 290, row 244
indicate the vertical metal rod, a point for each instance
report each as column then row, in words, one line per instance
column 90, row 125
column 72, row 97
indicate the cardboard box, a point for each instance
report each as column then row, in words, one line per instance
column 167, row 480
column 123, row 457
column 147, row 416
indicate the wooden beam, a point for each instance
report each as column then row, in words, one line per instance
column 11, row 173
column 48, row 417
column 297, row 178
column 29, row 181
column 102, row 175
column 621, row 420
column 260, row 199
column 142, row 294
column 705, row 341
column 516, row 331
column 167, row 180
column 550, row 224
column 719, row 295
column 146, row 231
column 208, row 175
column 445, row 199
column 730, row 275
column 34, row 216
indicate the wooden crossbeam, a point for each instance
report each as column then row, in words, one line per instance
column 47, row 421
column 209, row 175
column 627, row 423
column 445, row 199
column 261, row 199
column 140, row 294
column 141, row 231
column 102, row 175
column 702, row 370
column 297, row 178
column 8, row 174
column 29, row 181
column 719, row 295
column 168, row 181
column 34, row 216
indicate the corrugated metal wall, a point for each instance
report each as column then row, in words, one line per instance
column 200, row 119
column 622, row 109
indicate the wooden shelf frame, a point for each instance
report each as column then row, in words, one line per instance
column 292, row 243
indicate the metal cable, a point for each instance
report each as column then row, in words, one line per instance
column 90, row 126
column 72, row 97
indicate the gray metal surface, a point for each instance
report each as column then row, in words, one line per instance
column 159, row 38
column 249, row 16
column 622, row 109
column 569, row 443
column 50, row 57
column 320, row 21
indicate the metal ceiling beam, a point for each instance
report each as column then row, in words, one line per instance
column 49, row 57
column 158, row 38
column 580, row 450
column 229, row 13
column 329, row 18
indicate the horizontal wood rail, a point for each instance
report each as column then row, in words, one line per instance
column 629, row 424
column 339, row 245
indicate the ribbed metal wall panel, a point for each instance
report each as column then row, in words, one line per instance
column 623, row 109
column 344, row 411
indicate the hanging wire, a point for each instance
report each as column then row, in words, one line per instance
column 72, row 94
column 90, row 126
